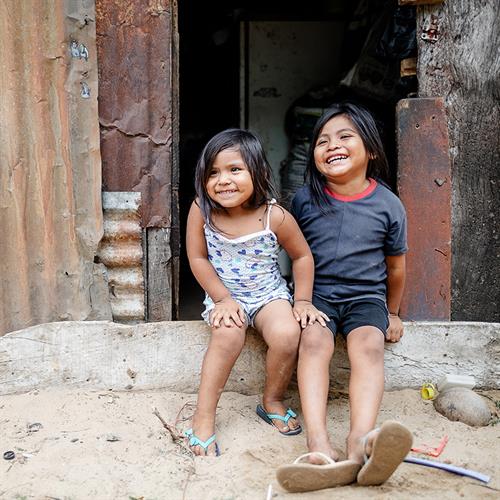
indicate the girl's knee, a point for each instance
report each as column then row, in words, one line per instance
column 371, row 354
column 230, row 340
column 316, row 340
column 285, row 339
column 368, row 347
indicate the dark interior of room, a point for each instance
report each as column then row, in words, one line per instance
column 209, row 81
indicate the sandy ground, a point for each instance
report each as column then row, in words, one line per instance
column 110, row 445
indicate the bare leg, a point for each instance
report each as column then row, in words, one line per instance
column 281, row 333
column 315, row 353
column 223, row 350
column 365, row 346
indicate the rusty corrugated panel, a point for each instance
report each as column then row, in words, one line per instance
column 121, row 252
column 424, row 171
column 50, row 172
column 135, row 80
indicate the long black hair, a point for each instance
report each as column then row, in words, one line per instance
column 366, row 127
column 252, row 153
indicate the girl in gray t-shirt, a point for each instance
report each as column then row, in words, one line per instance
column 356, row 229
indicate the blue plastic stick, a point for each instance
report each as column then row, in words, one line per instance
column 450, row 468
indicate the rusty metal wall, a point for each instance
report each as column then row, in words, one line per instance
column 135, row 101
column 50, row 173
column 424, row 181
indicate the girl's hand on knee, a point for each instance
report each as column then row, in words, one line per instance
column 306, row 314
column 395, row 329
column 229, row 312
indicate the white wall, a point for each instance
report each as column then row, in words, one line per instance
column 285, row 60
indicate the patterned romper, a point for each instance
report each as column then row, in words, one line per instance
column 248, row 267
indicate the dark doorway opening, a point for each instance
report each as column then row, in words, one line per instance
column 259, row 65
column 209, row 94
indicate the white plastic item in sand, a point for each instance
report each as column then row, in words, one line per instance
column 449, row 381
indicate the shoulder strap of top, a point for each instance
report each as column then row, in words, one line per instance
column 270, row 206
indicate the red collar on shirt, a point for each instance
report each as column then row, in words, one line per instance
column 354, row 197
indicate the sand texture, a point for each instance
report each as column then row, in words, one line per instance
column 80, row 444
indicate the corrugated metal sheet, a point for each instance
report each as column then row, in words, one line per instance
column 121, row 252
column 50, row 172
column 135, row 105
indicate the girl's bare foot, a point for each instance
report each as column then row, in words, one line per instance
column 360, row 446
column 322, row 445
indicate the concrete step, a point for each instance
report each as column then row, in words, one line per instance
column 106, row 355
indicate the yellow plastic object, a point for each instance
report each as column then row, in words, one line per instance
column 428, row 391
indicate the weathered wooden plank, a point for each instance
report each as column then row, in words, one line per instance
column 105, row 355
column 462, row 65
column 159, row 270
column 424, row 182
column 176, row 233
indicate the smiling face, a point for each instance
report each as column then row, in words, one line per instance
column 230, row 182
column 339, row 152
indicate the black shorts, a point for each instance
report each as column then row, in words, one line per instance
column 346, row 316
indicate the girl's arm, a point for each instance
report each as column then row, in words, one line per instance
column 293, row 242
column 396, row 275
column 226, row 309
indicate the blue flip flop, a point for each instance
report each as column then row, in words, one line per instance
column 196, row 441
column 269, row 417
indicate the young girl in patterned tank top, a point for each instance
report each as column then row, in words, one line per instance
column 234, row 233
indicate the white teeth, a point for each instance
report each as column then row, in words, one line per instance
column 336, row 158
